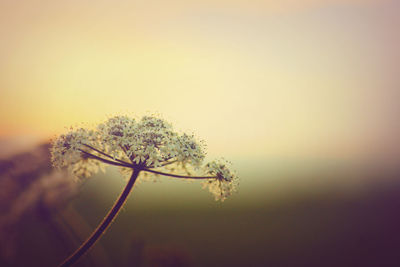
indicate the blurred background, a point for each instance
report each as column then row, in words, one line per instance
column 301, row 96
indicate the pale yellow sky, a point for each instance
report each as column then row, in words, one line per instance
column 301, row 78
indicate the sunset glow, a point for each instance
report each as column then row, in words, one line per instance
column 301, row 78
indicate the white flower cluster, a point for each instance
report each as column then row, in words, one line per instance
column 225, row 183
column 148, row 143
column 66, row 152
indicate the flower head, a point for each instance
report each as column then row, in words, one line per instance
column 67, row 150
column 148, row 144
column 225, row 182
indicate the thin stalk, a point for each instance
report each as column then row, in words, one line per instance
column 104, row 154
column 180, row 176
column 100, row 230
column 106, row 160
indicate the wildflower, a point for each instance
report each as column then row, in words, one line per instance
column 149, row 145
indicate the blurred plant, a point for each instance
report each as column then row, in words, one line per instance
column 149, row 145
column 28, row 185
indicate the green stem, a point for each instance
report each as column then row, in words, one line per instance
column 104, row 224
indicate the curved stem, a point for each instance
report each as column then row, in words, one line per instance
column 104, row 224
column 106, row 160
column 104, row 154
column 180, row 176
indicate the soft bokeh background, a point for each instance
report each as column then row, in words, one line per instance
column 302, row 96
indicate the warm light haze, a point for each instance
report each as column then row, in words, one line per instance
column 252, row 78
column 302, row 97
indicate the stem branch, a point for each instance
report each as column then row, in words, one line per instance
column 179, row 176
column 106, row 160
column 104, row 154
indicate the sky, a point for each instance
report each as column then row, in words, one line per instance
column 254, row 79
